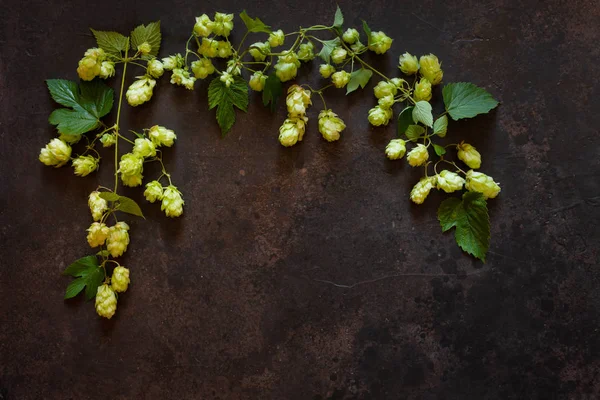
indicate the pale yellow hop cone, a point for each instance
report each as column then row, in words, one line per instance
column 106, row 301
column 421, row 190
column 155, row 68
column 395, row 149
column 292, row 131
column 326, row 70
column 330, row 125
column 431, row 69
column 154, row 191
column 408, row 64
column 131, row 167
column 379, row 116
column 90, row 66
column 97, row 234
column 144, row 148
column 418, row 156
column 469, row 155
column 120, row 279
column 140, row 91
column 56, row 153
column 298, row 99
column 172, row 202
column 85, row 165
column 118, row 239
column 257, row 81
column 340, row 79
column 380, row 42
column 162, row 136
column 97, row 205
column 449, row 181
column 423, row 90
column 482, row 183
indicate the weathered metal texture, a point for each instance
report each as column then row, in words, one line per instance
column 243, row 297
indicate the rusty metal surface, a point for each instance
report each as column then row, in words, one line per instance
column 231, row 301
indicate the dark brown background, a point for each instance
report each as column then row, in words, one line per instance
column 229, row 302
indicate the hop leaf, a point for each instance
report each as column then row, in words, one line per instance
column 147, row 33
column 254, row 24
column 111, row 42
column 89, row 276
column 465, row 100
column 358, row 78
column 422, row 113
column 224, row 98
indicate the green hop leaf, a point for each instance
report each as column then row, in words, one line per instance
column 358, row 78
column 147, row 33
column 111, row 42
column 367, row 31
column 405, row 119
column 328, row 46
column 254, row 24
column 124, row 204
column 413, row 132
column 422, row 113
column 87, row 103
column 338, row 20
column 439, row 150
column 470, row 218
column 89, row 275
column 440, row 126
column 225, row 98
column 272, row 91
column 465, row 100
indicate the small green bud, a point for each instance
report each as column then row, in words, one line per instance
column 340, row 79
column 384, row 88
column 351, row 36
column 418, row 155
column 120, row 279
column 469, row 155
column 182, row 77
column 482, row 183
column 107, row 69
column 144, row 148
column 203, row 26
column 326, row 70
column 56, row 153
column 117, row 239
column 380, row 116
column 431, row 69
column 226, row 78
column 408, row 63
column 330, row 125
column 162, row 136
column 276, row 38
column 395, row 149
column 97, row 205
column 398, row 82
column 380, row 42
column 172, row 202
column 106, row 301
column 155, row 68
column 154, row 191
column 259, row 50
column 97, row 234
column 234, row 67
column 85, row 165
column 423, row 90
column 449, row 181
column 338, row 55
column 257, row 81
column 144, row 48
column 421, row 190
column 174, row 61
column 108, row 139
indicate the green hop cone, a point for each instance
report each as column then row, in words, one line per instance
column 338, row 55
column 154, row 191
column 85, row 165
column 181, row 77
column 155, row 68
column 386, row 101
column 224, row 49
column 117, row 239
column 469, row 155
column 330, row 125
column 292, row 131
column 120, row 279
column 384, row 88
column 340, row 79
column 257, row 81
column 306, row 52
column 203, row 26
column 297, row 101
column 449, row 181
column 326, row 70
column 131, row 167
column 162, row 136
column 174, row 61
column 107, row 69
column 408, row 64
column 395, row 149
column 358, row 47
column 431, row 69
column 287, row 66
column 379, row 116
column 234, row 67
column 482, row 183
column 351, row 36
column 418, row 155
column 56, row 153
column 421, row 190
column 380, row 42
column 276, row 38
column 226, row 78
column 259, row 50
column 209, row 48
column 202, row 68
column 144, row 48
column 423, row 90
column 90, row 66
column 97, row 234
column 223, row 24
column 106, row 301
column 140, row 91
column 97, row 205
column 172, row 202
column 108, row 139
column 144, row 148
